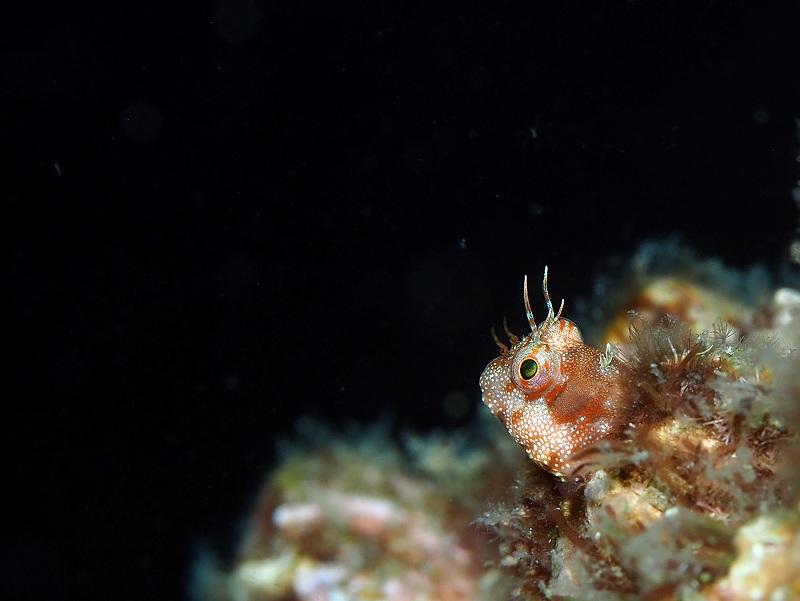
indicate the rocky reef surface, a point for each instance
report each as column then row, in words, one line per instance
column 699, row 499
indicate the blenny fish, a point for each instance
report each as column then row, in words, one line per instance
column 555, row 394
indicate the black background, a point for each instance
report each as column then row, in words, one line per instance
column 221, row 217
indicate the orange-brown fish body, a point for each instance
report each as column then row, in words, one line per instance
column 555, row 394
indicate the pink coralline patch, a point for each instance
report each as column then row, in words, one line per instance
column 370, row 517
column 298, row 518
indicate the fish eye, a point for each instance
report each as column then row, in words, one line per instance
column 528, row 369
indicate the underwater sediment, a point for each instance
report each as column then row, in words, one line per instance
column 694, row 496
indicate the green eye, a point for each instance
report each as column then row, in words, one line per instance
column 528, row 369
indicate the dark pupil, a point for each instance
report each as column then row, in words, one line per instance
column 528, row 369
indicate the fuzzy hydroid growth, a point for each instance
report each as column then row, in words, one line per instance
column 654, row 509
